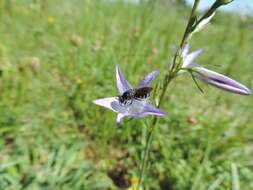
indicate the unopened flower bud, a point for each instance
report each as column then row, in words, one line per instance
column 203, row 23
column 224, row 2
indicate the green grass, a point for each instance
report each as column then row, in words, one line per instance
column 53, row 137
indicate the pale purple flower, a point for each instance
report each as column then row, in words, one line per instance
column 211, row 77
column 138, row 108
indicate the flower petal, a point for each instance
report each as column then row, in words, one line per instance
column 120, row 116
column 150, row 110
column 148, row 79
column 174, row 48
column 136, row 107
column 221, row 81
column 186, row 49
column 190, row 57
column 119, row 108
column 122, row 83
column 107, row 102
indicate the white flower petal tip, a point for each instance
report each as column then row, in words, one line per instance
column 119, row 118
column 135, row 108
column 220, row 81
column 106, row 102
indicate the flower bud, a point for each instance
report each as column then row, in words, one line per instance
column 203, row 23
column 223, row 2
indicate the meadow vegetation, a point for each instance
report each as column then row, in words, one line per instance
column 57, row 56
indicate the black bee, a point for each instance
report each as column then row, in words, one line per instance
column 136, row 93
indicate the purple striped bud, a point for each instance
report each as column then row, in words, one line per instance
column 220, row 81
column 211, row 77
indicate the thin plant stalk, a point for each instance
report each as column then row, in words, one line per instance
column 145, row 157
column 149, row 138
column 167, row 79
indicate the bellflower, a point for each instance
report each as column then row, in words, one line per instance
column 211, row 77
column 137, row 108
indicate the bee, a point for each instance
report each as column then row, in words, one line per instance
column 135, row 93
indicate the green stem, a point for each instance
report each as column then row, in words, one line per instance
column 190, row 23
column 145, row 157
column 167, row 79
column 187, row 32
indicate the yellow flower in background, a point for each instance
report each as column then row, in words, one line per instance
column 78, row 80
column 134, row 184
column 134, row 180
column 50, row 20
column 25, row 11
column 134, row 188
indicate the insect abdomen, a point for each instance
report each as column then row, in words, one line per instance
column 142, row 93
column 138, row 94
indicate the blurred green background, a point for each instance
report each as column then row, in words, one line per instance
column 56, row 56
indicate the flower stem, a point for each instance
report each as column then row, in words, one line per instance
column 145, row 157
column 190, row 23
column 167, row 79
